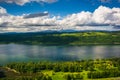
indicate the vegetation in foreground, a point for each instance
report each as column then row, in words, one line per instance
column 77, row 70
column 78, row 38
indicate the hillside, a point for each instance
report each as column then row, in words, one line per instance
column 102, row 69
column 78, row 38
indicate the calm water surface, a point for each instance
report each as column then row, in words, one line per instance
column 18, row 53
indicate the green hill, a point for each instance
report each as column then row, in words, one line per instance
column 102, row 69
column 78, row 38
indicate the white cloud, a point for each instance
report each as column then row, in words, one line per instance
column 81, row 18
column 102, row 15
column 118, row 0
column 105, row 15
column 22, row 2
column 100, row 19
column 2, row 10
column 19, row 2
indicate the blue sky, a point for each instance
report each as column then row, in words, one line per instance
column 60, row 7
column 42, row 15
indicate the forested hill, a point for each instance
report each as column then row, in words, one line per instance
column 98, row 69
column 78, row 38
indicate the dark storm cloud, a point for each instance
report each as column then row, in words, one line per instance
column 93, row 24
column 5, row 24
column 40, row 25
column 36, row 15
column 117, row 27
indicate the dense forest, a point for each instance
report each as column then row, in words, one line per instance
column 76, row 70
column 78, row 38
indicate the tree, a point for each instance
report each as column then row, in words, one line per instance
column 2, row 74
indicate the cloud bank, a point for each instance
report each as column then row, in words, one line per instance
column 22, row 2
column 103, row 18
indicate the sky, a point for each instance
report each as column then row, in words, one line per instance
column 58, row 15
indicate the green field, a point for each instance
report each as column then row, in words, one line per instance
column 78, row 38
column 99, row 69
